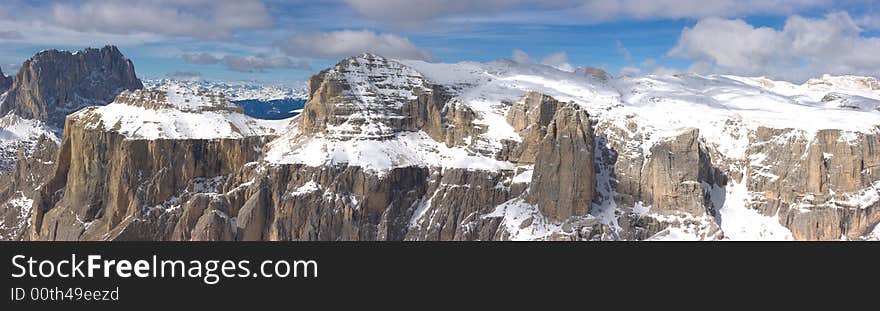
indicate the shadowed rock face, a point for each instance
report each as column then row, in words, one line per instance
column 54, row 83
column 5, row 82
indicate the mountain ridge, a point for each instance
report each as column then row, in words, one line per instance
column 408, row 150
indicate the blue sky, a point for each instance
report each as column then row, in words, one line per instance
column 287, row 41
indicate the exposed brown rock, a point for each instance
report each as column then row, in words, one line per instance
column 810, row 183
column 104, row 180
column 564, row 179
column 530, row 117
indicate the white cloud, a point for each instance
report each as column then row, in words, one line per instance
column 419, row 11
column 130, row 21
column 803, row 48
column 344, row 43
column 520, row 56
column 627, row 56
column 869, row 21
column 631, row 71
column 558, row 60
column 245, row 63
column 407, row 12
column 604, row 10
column 664, row 71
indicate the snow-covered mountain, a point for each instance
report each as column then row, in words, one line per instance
column 262, row 101
column 236, row 90
column 175, row 112
column 632, row 116
column 409, row 150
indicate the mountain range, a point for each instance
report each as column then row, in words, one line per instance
column 387, row 149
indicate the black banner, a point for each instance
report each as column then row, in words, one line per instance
column 335, row 274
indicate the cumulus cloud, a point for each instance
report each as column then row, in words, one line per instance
column 343, row 43
column 251, row 64
column 206, row 19
column 558, row 60
column 418, row 11
column 803, row 48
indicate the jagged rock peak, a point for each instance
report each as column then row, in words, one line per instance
column 368, row 96
column 54, row 83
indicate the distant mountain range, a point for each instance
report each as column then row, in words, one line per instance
column 258, row 100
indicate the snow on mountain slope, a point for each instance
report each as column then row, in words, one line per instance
column 720, row 106
column 649, row 109
column 362, row 133
column 17, row 133
column 176, row 112
column 380, row 156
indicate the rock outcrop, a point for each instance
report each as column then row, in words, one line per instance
column 371, row 97
column 564, row 180
column 54, row 83
column 672, row 180
column 530, row 118
column 109, row 180
column 822, row 187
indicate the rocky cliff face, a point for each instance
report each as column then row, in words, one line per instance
column 822, row 188
column 406, row 150
column 54, row 83
column 114, row 171
column 18, row 188
column 564, row 180
column 49, row 86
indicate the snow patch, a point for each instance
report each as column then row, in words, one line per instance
column 408, row 149
column 739, row 222
column 524, row 221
